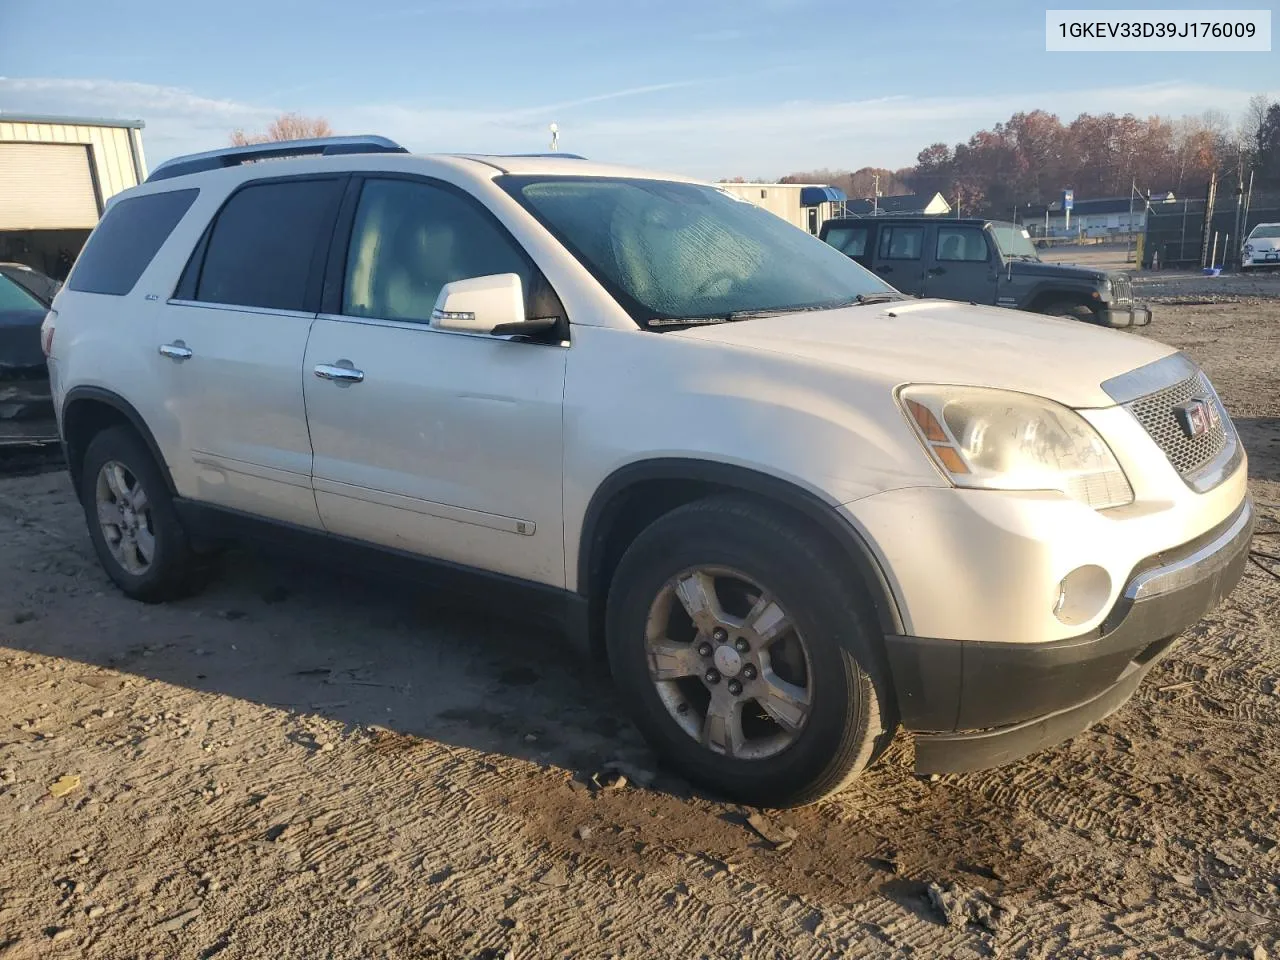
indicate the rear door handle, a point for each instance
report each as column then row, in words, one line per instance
column 342, row 373
column 176, row 351
column 937, row 271
column 884, row 269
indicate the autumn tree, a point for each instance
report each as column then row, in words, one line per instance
column 288, row 126
column 1033, row 156
column 855, row 184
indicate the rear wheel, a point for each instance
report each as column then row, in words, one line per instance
column 132, row 523
column 743, row 654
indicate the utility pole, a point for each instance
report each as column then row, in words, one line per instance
column 875, row 195
column 1128, row 250
column 1228, row 255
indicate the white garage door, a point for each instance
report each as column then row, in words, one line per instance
column 46, row 186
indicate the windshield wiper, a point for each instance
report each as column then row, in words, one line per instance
column 857, row 300
column 688, row 321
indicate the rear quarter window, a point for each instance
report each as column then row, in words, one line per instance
column 126, row 240
column 267, row 244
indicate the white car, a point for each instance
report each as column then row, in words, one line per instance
column 794, row 509
column 1262, row 247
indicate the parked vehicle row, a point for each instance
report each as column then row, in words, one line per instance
column 983, row 262
column 794, row 509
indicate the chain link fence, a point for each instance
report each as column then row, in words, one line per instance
column 1176, row 236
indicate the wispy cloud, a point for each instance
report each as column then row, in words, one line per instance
column 711, row 136
column 178, row 120
column 612, row 95
column 725, row 35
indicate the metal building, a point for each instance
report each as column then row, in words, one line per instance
column 56, row 175
column 806, row 205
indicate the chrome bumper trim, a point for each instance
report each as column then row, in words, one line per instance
column 1202, row 563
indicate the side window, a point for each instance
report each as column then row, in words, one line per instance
column 851, row 241
column 901, row 243
column 962, row 243
column 129, row 236
column 411, row 238
column 266, row 242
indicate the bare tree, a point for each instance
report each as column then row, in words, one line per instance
column 1251, row 122
column 288, row 126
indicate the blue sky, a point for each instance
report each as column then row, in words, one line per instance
column 707, row 87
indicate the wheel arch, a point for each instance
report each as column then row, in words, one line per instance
column 1047, row 295
column 635, row 495
column 88, row 410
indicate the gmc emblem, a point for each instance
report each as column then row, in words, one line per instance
column 1197, row 417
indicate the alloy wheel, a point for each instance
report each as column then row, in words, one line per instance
column 124, row 514
column 728, row 663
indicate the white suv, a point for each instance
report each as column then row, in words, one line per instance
column 794, row 508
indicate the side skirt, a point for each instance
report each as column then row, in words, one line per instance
column 512, row 596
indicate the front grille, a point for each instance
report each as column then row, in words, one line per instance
column 1121, row 290
column 1155, row 412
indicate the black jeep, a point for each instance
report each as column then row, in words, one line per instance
column 982, row 261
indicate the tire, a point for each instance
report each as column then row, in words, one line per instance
column 846, row 722
column 172, row 570
column 1070, row 310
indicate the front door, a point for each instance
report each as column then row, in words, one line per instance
column 443, row 444
column 963, row 265
column 899, row 256
column 232, row 342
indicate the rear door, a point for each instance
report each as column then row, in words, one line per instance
column 899, row 255
column 232, row 342
column 962, row 264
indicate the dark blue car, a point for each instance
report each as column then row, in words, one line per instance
column 21, row 314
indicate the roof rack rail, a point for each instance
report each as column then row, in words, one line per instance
column 567, row 156
column 232, row 156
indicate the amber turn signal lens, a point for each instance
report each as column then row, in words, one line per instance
column 929, row 424
column 951, row 459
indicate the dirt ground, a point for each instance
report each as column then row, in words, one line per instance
column 296, row 764
column 1168, row 286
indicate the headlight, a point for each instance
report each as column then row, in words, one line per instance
column 1002, row 440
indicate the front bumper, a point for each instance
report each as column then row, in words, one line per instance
column 974, row 705
column 1133, row 315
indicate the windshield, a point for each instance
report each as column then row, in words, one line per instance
column 1267, row 231
column 1014, row 242
column 14, row 297
column 669, row 251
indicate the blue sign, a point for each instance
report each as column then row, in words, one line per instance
column 1068, row 199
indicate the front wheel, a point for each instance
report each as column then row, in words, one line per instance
column 744, row 656
column 1071, row 311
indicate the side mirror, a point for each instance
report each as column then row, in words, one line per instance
column 480, row 305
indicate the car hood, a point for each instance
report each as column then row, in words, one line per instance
column 940, row 341
column 1061, row 271
column 1264, row 243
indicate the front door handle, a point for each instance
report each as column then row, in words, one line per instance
column 343, row 372
column 176, row 351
